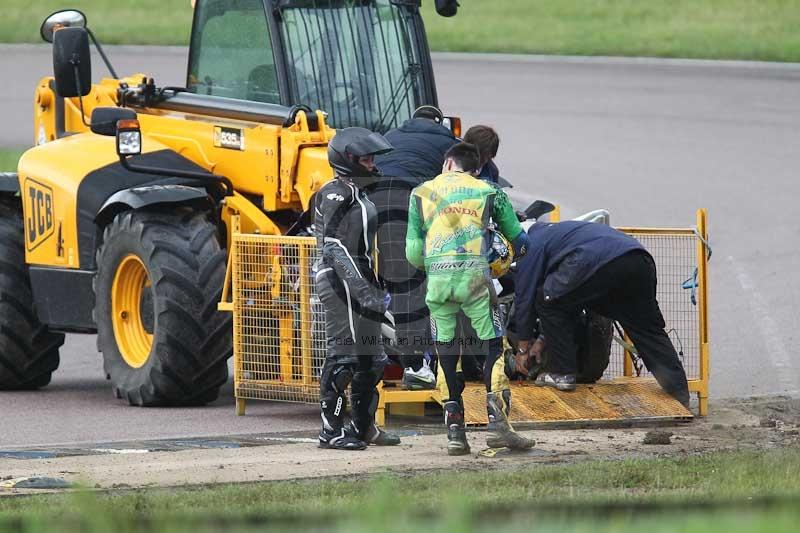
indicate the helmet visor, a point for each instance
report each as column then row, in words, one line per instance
column 372, row 144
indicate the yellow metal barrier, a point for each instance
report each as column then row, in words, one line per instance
column 677, row 253
column 279, row 323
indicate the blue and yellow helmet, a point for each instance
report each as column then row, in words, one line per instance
column 499, row 253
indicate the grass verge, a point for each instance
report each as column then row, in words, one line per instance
column 8, row 159
column 720, row 492
column 113, row 22
column 715, row 29
column 718, row 29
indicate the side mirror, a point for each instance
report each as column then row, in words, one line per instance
column 447, row 8
column 72, row 64
column 537, row 209
column 129, row 138
column 104, row 119
column 453, row 124
column 70, row 18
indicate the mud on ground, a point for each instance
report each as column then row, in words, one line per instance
column 754, row 423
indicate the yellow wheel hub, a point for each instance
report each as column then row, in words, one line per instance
column 130, row 283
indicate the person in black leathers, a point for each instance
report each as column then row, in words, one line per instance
column 345, row 225
column 418, row 155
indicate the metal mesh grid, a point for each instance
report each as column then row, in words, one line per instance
column 624, row 399
column 279, row 323
column 675, row 254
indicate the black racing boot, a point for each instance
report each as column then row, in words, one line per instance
column 334, row 434
column 456, row 434
column 501, row 433
column 376, row 436
column 363, row 423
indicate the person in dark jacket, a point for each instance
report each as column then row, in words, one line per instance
column 574, row 265
column 403, row 281
column 354, row 301
column 418, row 155
column 419, row 146
column 488, row 142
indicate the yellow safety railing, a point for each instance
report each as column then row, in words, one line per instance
column 279, row 323
column 677, row 253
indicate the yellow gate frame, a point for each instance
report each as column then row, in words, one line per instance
column 698, row 383
column 278, row 324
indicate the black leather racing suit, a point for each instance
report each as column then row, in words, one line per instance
column 345, row 226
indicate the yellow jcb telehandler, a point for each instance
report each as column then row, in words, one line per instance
column 118, row 220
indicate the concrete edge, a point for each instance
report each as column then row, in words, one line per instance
column 612, row 60
column 493, row 57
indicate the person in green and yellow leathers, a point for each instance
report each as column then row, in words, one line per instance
column 450, row 220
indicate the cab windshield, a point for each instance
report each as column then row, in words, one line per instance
column 357, row 60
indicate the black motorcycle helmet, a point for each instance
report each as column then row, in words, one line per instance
column 351, row 143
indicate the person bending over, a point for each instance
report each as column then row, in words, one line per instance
column 576, row 265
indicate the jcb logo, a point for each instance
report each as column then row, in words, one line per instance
column 39, row 213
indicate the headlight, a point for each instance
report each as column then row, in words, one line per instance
column 129, row 137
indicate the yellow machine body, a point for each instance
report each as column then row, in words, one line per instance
column 272, row 168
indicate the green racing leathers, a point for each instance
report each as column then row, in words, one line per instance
column 448, row 236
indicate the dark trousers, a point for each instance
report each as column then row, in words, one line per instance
column 624, row 290
column 493, row 373
column 404, row 282
column 473, row 354
column 354, row 357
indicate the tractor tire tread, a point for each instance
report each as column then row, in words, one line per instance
column 188, row 362
column 28, row 350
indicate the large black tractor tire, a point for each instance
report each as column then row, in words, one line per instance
column 28, row 350
column 159, row 279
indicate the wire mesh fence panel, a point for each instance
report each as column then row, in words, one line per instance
column 675, row 255
column 279, row 324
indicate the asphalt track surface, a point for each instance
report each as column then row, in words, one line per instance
column 649, row 140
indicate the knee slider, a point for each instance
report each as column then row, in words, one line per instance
column 342, row 377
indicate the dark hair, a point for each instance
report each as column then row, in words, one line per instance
column 486, row 139
column 465, row 155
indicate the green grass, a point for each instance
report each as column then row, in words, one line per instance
column 112, row 21
column 730, row 29
column 8, row 159
column 630, row 495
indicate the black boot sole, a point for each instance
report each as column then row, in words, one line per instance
column 326, row 446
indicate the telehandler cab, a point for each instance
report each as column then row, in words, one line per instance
column 118, row 221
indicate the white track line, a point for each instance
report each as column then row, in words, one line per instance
column 770, row 333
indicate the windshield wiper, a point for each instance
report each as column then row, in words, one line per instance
column 410, row 75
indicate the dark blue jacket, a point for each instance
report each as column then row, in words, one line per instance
column 490, row 172
column 419, row 148
column 561, row 257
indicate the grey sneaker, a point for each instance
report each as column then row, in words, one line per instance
column 562, row 382
column 422, row 379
